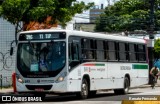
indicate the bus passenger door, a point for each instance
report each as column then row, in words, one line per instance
column 74, row 68
column 73, row 55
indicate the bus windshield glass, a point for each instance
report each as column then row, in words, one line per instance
column 47, row 57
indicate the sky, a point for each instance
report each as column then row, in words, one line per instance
column 97, row 2
column 84, row 17
column 85, row 14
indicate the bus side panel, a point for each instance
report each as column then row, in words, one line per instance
column 98, row 75
column 107, row 83
column 138, row 74
column 74, row 79
column 108, row 76
column 116, row 74
column 142, row 74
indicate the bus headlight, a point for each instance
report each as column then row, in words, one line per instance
column 61, row 77
column 19, row 79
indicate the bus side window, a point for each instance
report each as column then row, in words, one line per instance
column 122, row 51
column 132, row 52
column 88, row 49
column 141, row 53
column 100, row 50
column 111, row 50
column 74, row 51
column 73, row 54
column 106, row 53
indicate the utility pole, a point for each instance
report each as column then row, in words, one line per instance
column 152, row 20
column 108, row 1
column 151, row 37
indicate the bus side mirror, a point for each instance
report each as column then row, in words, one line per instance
column 11, row 51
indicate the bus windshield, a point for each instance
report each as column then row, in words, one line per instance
column 46, row 57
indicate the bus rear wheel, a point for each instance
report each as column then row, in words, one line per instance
column 84, row 90
column 126, row 86
column 125, row 90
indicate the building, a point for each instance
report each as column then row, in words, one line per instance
column 95, row 12
column 89, row 27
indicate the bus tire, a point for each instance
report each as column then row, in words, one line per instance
column 125, row 90
column 84, row 90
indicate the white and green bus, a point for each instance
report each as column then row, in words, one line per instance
column 67, row 61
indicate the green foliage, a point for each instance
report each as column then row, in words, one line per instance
column 61, row 11
column 13, row 10
column 0, row 10
column 127, row 15
column 157, row 46
column 65, row 10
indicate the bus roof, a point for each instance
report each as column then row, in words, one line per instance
column 90, row 35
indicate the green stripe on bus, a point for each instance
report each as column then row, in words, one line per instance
column 100, row 64
column 93, row 64
column 136, row 66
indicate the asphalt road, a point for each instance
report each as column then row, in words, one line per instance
column 107, row 97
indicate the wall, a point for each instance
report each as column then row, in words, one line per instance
column 7, row 62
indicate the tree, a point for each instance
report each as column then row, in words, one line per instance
column 38, row 11
column 128, row 15
column 157, row 48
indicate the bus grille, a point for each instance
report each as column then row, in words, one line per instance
column 44, row 87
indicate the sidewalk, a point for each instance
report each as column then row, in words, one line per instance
column 148, row 85
column 6, row 90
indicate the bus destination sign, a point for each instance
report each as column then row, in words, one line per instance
column 41, row 36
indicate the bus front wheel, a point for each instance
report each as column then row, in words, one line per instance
column 84, row 90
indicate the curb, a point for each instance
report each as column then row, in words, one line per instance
column 148, row 85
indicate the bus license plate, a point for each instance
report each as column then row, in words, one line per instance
column 39, row 89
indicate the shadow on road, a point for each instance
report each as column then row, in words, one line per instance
column 97, row 97
column 108, row 96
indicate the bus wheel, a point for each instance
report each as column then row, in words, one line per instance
column 125, row 90
column 84, row 90
column 126, row 86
